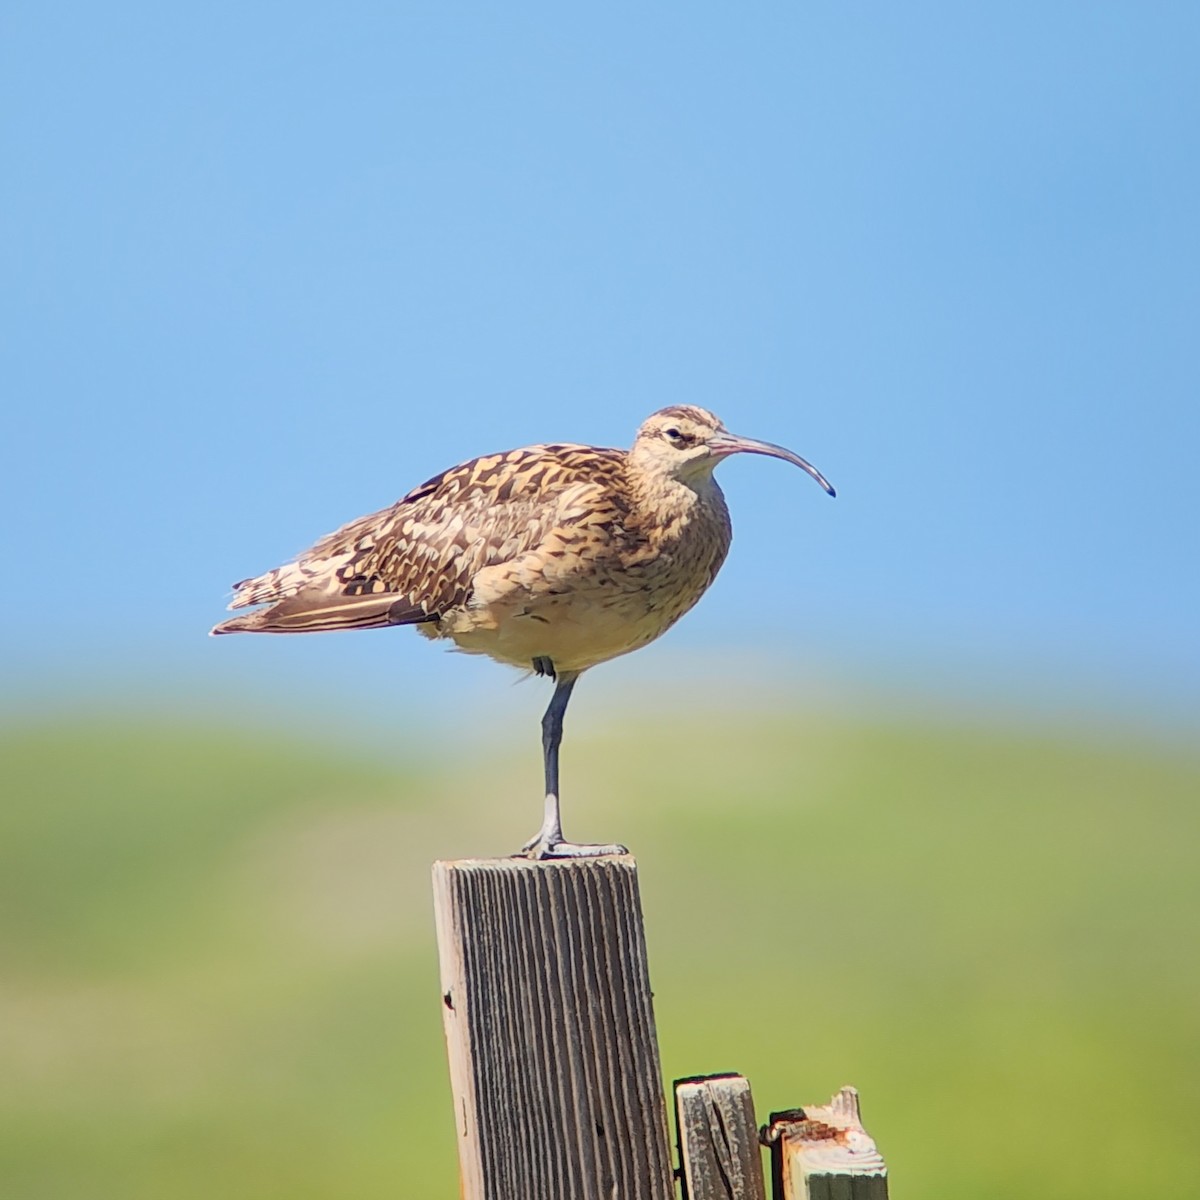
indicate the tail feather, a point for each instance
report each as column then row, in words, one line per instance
column 277, row 584
column 319, row 612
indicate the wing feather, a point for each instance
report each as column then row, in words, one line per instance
column 415, row 561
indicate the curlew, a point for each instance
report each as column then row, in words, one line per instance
column 550, row 558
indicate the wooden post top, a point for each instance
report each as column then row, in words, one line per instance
column 822, row 1150
column 515, row 863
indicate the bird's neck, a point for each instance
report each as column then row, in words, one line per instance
column 660, row 491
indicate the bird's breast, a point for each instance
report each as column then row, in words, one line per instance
column 601, row 585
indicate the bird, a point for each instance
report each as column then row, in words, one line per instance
column 550, row 558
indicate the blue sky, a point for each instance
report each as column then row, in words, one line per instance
column 268, row 266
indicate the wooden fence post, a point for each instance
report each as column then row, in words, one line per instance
column 550, row 1030
column 719, row 1153
column 822, row 1152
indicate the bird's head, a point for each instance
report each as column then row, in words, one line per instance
column 686, row 443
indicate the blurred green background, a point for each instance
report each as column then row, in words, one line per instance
column 219, row 976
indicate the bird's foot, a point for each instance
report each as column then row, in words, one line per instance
column 541, row 849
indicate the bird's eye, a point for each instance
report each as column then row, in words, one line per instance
column 674, row 434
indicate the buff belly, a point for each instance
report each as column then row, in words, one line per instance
column 574, row 632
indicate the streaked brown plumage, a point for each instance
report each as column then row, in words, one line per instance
column 552, row 558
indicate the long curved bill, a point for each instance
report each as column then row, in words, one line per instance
column 723, row 444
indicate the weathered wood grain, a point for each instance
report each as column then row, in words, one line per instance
column 822, row 1152
column 718, row 1139
column 550, row 1030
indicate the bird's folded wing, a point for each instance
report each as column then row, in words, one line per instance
column 415, row 561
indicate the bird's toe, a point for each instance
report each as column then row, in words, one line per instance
column 541, row 850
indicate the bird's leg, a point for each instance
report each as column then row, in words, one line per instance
column 549, row 842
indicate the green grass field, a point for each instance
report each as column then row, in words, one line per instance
column 218, row 976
